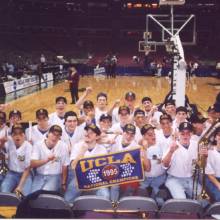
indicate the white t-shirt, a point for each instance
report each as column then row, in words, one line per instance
column 4, row 131
column 155, row 117
column 118, row 145
column 18, row 158
column 76, row 137
column 116, row 128
column 182, row 160
column 213, row 163
column 162, row 141
column 54, row 119
column 138, row 135
column 115, row 117
column 97, row 150
column 36, row 134
column 42, row 152
column 154, row 153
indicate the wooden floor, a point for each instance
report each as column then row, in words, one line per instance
column 198, row 90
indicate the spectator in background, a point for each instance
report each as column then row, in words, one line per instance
column 73, row 79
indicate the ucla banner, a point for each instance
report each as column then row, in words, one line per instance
column 111, row 169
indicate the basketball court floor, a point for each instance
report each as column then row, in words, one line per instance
column 200, row 90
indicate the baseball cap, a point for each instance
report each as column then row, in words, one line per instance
column 129, row 128
column 42, row 113
column 210, row 108
column 61, row 99
column 130, row 95
column 165, row 117
column 17, row 127
column 217, row 107
column 94, row 128
column 105, row 116
column 123, row 108
column 185, row 126
column 146, row 128
column 146, row 99
column 197, row 118
column 14, row 112
column 88, row 104
column 139, row 112
column 55, row 128
column 181, row 109
column 170, row 102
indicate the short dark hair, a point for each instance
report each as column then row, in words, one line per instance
column 61, row 98
column 101, row 94
column 70, row 113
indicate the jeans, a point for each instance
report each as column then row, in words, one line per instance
column 46, row 182
column 72, row 191
column 181, row 187
column 213, row 190
column 12, row 180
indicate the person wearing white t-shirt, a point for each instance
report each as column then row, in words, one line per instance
column 164, row 136
column 86, row 148
column 129, row 101
column 181, row 116
column 18, row 178
column 39, row 131
column 14, row 118
column 170, row 108
column 180, row 159
column 139, row 122
column 50, row 157
column 155, row 174
column 212, row 170
column 72, row 132
column 57, row 117
column 151, row 111
column 123, row 142
column 124, row 118
column 199, row 127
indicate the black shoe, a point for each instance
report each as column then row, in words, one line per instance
column 73, row 103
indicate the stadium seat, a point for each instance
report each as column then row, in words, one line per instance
column 9, row 199
column 214, row 209
column 8, row 204
column 137, row 203
column 91, row 202
column 50, row 206
column 182, row 207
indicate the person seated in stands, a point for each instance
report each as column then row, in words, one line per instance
column 86, row 148
column 213, row 168
column 14, row 118
column 155, row 173
column 72, row 132
column 181, row 116
column 180, row 159
column 39, row 131
column 18, row 178
column 199, row 128
column 50, row 157
column 101, row 106
column 123, row 142
column 129, row 101
column 139, row 122
column 170, row 108
column 151, row 111
column 124, row 118
column 57, row 117
column 165, row 134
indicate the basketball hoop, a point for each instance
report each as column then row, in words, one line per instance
column 172, row 2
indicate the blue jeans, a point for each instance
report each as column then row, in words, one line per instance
column 12, row 180
column 213, row 190
column 46, row 182
column 181, row 187
column 154, row 182
column 72, row 191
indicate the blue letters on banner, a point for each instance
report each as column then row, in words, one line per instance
column 111, row 169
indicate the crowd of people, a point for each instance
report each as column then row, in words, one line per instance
column 44, row 155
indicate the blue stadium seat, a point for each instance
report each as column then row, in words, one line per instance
column 181, row 207
column 9, row 199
